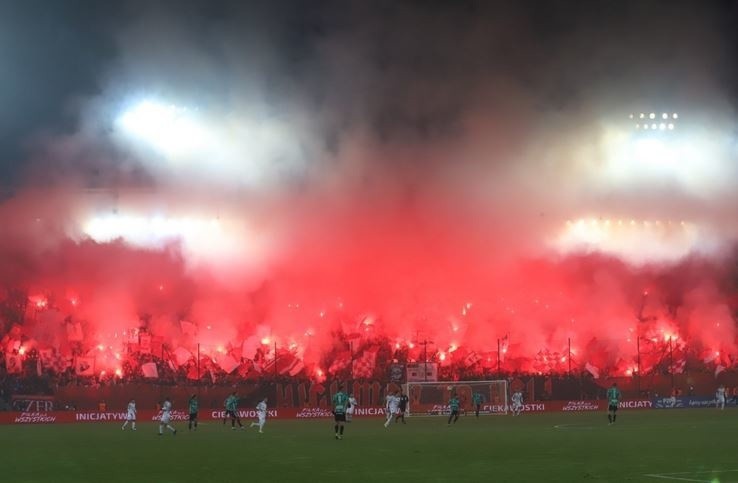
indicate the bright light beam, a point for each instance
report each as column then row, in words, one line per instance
column 169, row 129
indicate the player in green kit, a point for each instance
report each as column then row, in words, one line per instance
column 454, row 405
column 193, row 406
column 477, row 399
column 340, row 403
column 613, row 398
column 231, row 405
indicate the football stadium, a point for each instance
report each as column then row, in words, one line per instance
column 368, row 241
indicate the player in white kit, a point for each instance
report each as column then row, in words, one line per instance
column 350, row 410
column 517, row 403
column 392, row 406
column 720, row 397
column 131, row 415
column 261, row 413
column 166, row 417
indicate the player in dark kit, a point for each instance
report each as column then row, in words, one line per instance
column 454, row 405
column 193, row 407
column 402, row 408
column 340, row 404
column 613, row 398
column 231, row 406
column 477, row 399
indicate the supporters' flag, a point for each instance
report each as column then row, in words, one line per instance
column 245, row 368
column 711, row 356
column 157, row 346
column 364, row 365
column 289, row 364
column 228, row 363
column 592, row 370
column 188, row 328
column 297, row 368
column 61, row 363
column 471, row 359
column 150, row 370
column 13, row 363
column 11, row 345
column 144, row 343
column 679, row 366
column 286, row 362
column 132, row 335
column 367, row 322
column 193, row 373
column 46, row 357
column 720, row 368
column 74, row 332
column 340, row 362
column 182, row 355
column 84, row 366
column 249, row 347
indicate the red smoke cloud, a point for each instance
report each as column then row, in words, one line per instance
column 402, row 274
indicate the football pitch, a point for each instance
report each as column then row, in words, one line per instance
column 648, row 446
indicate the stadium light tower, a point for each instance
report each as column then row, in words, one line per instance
column 654, row 139
column 653, row 121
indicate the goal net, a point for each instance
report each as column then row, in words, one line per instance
column 431, row 398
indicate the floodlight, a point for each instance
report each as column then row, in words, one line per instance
column 652, row 115
column 168, row 128
column 628, row 240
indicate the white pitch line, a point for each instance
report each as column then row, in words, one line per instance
column 697, row 472
column 573, row 426
column 669, row 476
column 676, row 478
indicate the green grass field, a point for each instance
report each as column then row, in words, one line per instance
column 670, row 445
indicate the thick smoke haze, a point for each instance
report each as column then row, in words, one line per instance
column 463, row 173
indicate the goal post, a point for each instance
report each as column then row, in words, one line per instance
column 431, row 398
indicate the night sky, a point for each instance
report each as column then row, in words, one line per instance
column 407, row 71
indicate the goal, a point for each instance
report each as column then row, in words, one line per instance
column 431, row 398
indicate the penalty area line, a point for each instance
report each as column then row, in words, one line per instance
column 677, row 476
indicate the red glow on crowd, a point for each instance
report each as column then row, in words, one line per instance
column 376, row 301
